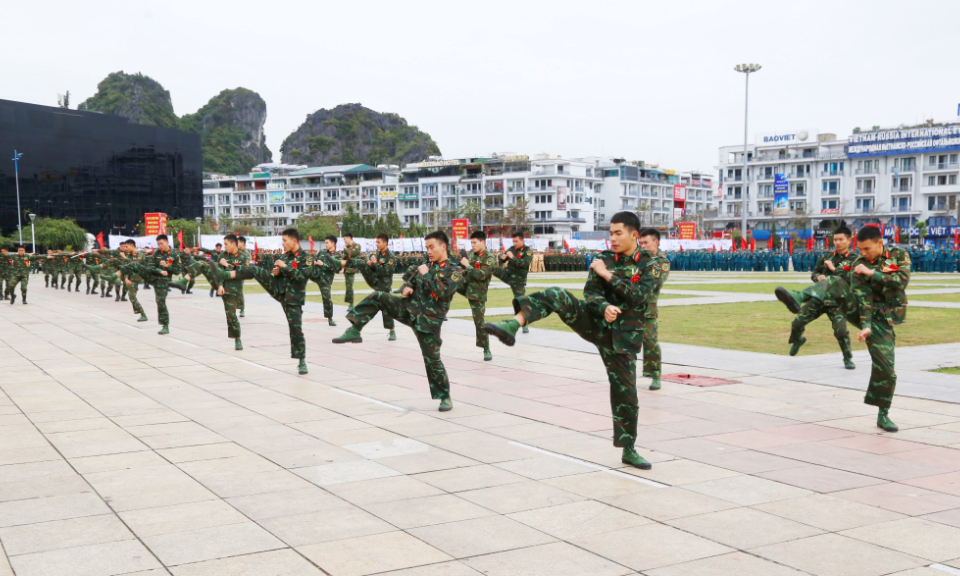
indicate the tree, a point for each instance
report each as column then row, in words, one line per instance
column 474, row 212
column 518, row 215
column 645, row 213
column 775, row 241
column 58, row 234
column 922, row 231
column 189, row 229
column 317, row 226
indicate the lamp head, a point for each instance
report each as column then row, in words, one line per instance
column 32, row 216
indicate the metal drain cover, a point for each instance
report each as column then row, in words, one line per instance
column 694, row 380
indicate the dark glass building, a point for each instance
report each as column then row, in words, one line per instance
column 97, row 169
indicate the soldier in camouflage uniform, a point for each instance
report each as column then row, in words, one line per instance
column 830, row 264
column 422, row 305
column 215, row 256
column 242, row 245
column 351, row 251
column 230, row 290
column 619, row 286
column 6, row 267
column 92, row 259
column 286, row 282
column 326, row 264
column 478, row 269
column 132, row 282
column 157, row 269
column 650, row 242
column 18, row 272
column 378, row 273
column 516, row 265
column 872, row 295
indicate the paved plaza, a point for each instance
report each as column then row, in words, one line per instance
column 126, row 452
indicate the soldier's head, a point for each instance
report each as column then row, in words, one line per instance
column 478, row 241
column 49, row 252
column 131, row 246
column 437, row 243
column 230, row 240
column 517, row 237
column 242, row 242
column 382, row 242
column 624, row 232
column 219, row 247
column 841, row 239
column 650, row 239
column 291, row 240
column 870, row 242
column 163, row 243
column 21, row 250
column 330, row 242
column 348, row 239
column 4, row 250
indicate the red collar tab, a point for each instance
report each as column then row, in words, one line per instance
column 636, row 255
column 442, row 264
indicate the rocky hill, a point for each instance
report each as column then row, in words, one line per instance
column 230, row 124
column 136, row 97
column 352, row 134
column 231, row 129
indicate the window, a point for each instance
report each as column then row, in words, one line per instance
column 602, row 203
column 865, row 186
column 829, row 204
column 798, row 206
column 864, row 204
column 543, row 215
column 952, row 179
column 799, row 188
column 831, row 187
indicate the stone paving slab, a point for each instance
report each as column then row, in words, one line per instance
column 126, row 452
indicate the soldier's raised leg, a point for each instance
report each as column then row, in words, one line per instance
column 518, row 291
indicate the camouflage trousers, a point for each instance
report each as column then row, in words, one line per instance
column 327, row 300
column 621, row 365
column 479, row 308
column 160, row 291
column 298, row 345
column 293, row 312
column 72, row 276
column 430, row 343
column 883, row 377
column 651, row 348
column 812, row 307
column 95, row 276
column 231, row 303
column 18, row 278
column 132, row 291
column 518, row 289
column 109, row 282
column 348, row 278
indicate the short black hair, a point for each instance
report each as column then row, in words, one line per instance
column 292, row 233
column 131, row 242
column 843, row 230
column 650, row 232
column 230, row 238
column 869, row 233
column 162, row 237
column 517, row 234
column 383, row 237
column 331, row 238
column 479, row 235
column 348, row 235
column 242, row 239
column 21, row 247
column 629, row 220
column 219, row 245
column 439, row 236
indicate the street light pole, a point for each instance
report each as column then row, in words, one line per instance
column 746, row 69
column 33, row 233
column 197, row 239
column 16, row 172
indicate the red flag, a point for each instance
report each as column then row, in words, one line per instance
column 790, row 246
column 753, row 244
column 743, row 242
column 956, row 237
column 311, row 242
column 896, row 233
column 854, row 245
column 681, row 247
column 180, row 238
column 256, row 250
column 100, row 240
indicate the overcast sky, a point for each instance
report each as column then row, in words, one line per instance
column 650, row 81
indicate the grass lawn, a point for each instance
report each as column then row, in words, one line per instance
column 765, row 327
column 764, row 288
column 955, row 370
column 935, row 297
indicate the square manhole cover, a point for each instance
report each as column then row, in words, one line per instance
column 694, row 380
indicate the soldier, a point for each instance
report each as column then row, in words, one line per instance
column 422, row 305
column 326, row 264
column 242, row 246
column 873, row 297
column 6, row 267
column 516, row 262
column 286, row 282
column 18, row 272
column 215, row 256
column 620, row 284
column 650, row 242
column 156, row 269
column 378, row 273
column 231, row 289
column 92, row 259
column 478, row 270
column 132, row 282
column 351, row 251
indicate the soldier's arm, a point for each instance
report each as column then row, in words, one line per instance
column 295, row 270
column 897, row 275
column 643, row 290
column 593, row 294
column 442, row 283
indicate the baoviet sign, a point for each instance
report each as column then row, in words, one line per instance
column 155, row 223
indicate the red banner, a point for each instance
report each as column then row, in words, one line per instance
column 180, row 238
column 461, row 229
column 155, row 223
column 100, row 240
column 688, row 230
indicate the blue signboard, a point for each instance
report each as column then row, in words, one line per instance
column 907, row 141
column 781, row 189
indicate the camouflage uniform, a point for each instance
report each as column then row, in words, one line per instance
column 232, row 293
column 18, row 272
column 379, row 277
column 324, row 269
column 631, row 288
column 350, row 253
column 651, row 344
column 134, row 286
column 842, row 264
column 6, row 266
column 288, row 288
column 149, row 269
column 92, row 259
column 514, row 272
column 476, row 283
column 424, row 311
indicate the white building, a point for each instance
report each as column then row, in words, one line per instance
column 563, row 196
column 895, row 177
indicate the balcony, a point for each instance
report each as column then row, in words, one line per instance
column 827, row 173
column 469, row 192
column 902, row 169
column 543, row 188
column 941, row 166
column 901, row 189
column 799, row 175
column 902, row 209
column 864, row 171
column 515, row 190
column 863, row 191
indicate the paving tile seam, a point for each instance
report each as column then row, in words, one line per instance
column 591, row 465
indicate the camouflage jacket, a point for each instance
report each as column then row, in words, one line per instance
column 661, row 257
column 432, row 293
column 476, row 278
column 882, row 296
column 17, row 265
column 6, row 264
column 234, row 261
column 293, row 277
column 213, row 253
column 632, row 286
column 349, row 254
column 380, row 275
column 325, row 267
column 515, row 269
column 151, row 262
column 840, row 261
